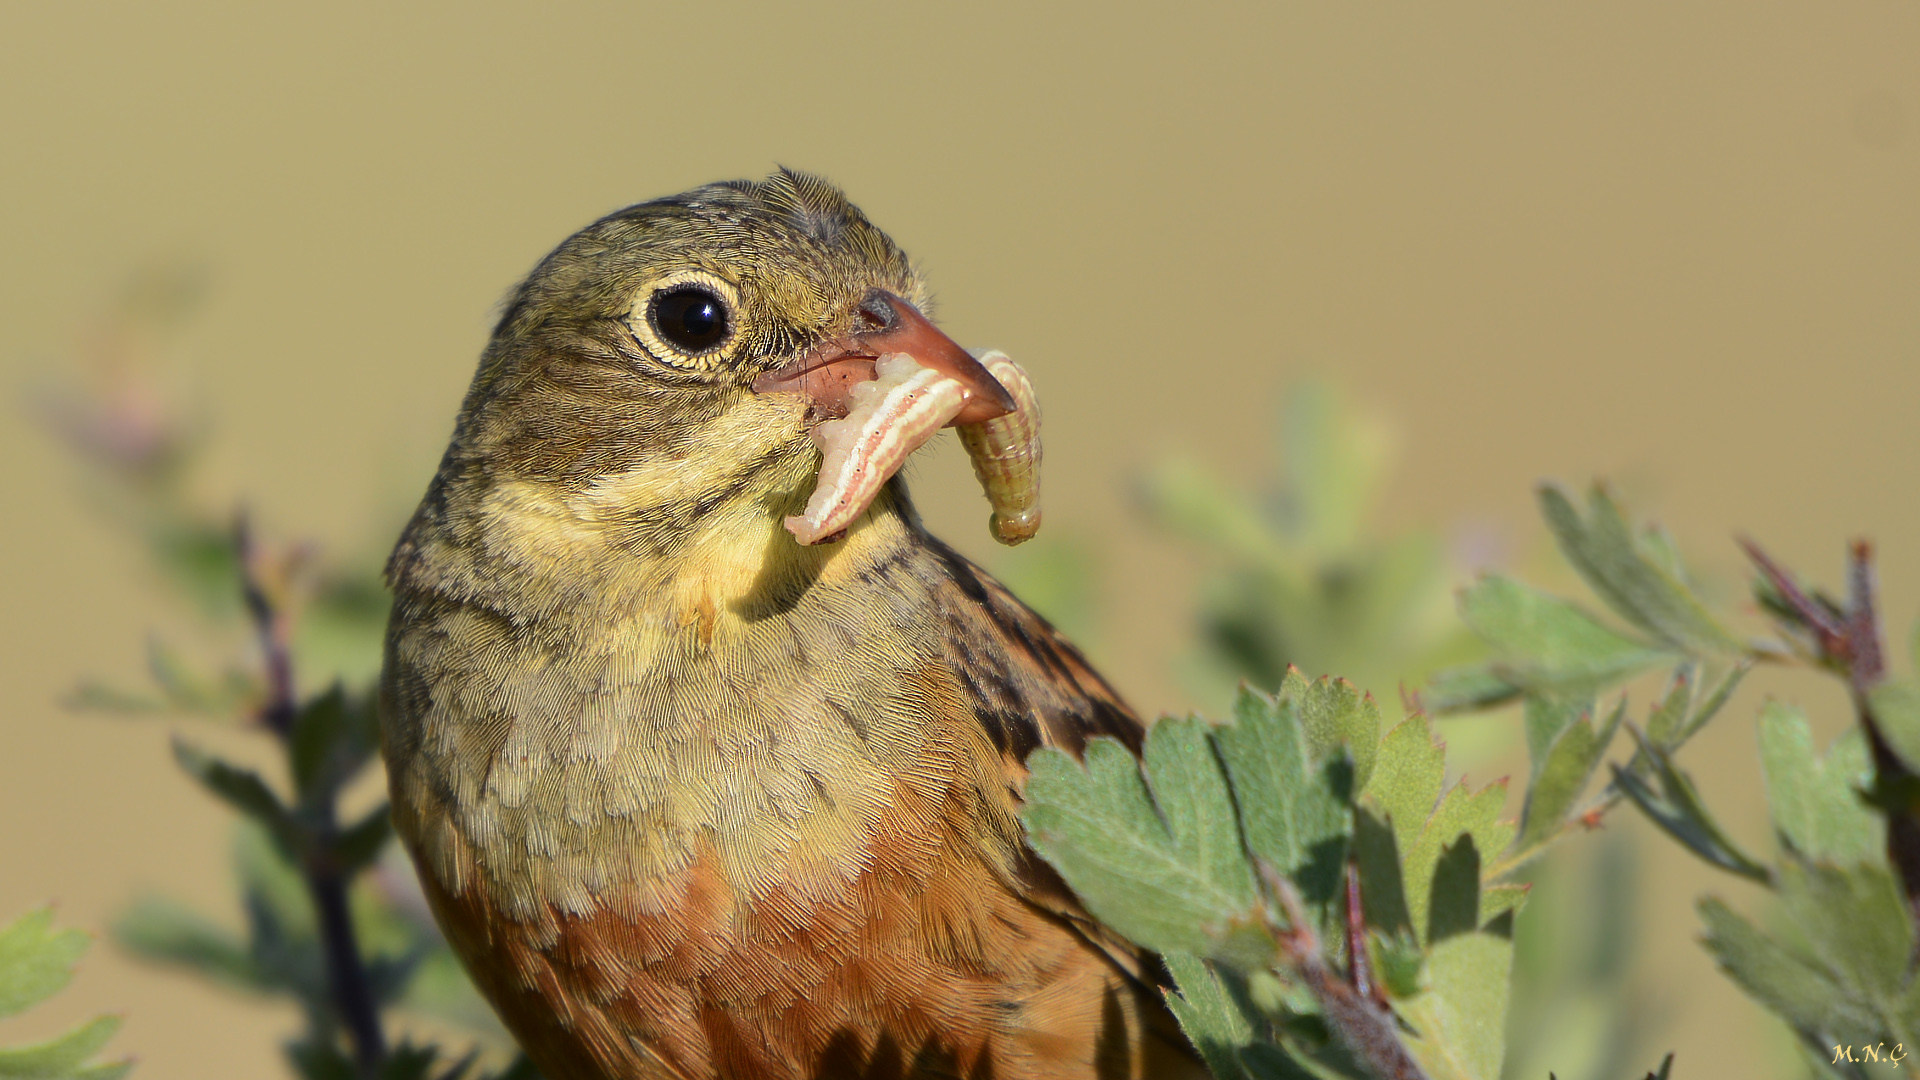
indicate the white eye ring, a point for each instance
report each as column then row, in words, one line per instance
column 693, row 335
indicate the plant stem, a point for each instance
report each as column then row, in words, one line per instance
column 346, row 971
column 347, row 983
column 1849, row 641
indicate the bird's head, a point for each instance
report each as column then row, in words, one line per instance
column 660, row 372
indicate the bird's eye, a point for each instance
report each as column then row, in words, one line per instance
column 690, row 318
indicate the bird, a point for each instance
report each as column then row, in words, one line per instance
column 691, row 798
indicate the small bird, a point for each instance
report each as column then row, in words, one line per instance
column 693, row 798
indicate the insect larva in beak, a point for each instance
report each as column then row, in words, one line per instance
column 1006, row 454
column 890, row 418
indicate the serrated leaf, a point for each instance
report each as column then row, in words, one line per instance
column 1545, row 643
column 1460, row 812
column 1896, row 713
column 1814, row 802
column 64, row 1058
column 1570, row 763
column 1221, row 1024
column 1601, row 547
column 1408, row 771
column 1333, row 713
column 242, row 789
column 1461, row 1019
column 1788, row 985
column 1677, row 808
column 1293, row 808
column 1497, row 900
column 35, row 960
column 1170, row 875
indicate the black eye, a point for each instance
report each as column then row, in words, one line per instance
column 690, row 318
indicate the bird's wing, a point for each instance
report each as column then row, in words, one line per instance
column 1029, row 685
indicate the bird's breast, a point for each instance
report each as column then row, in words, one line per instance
column 595, row 768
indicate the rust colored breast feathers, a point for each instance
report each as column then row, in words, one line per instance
column 709, row 756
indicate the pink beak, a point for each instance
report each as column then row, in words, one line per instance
column 828, row 372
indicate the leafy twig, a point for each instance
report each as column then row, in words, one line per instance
column 1848, row 641
column 324, row 872
column 1365, row 1026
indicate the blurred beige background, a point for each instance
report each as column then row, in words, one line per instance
column 1675, row 244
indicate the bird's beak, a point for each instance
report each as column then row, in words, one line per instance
column 828, row 372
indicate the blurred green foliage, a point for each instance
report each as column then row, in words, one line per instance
column 35, row 963
column 1299, row 573
column 334, row 919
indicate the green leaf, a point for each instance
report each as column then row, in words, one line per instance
column 1164, row 869
column 1467, row 689
column 65, row 1057
column 1815, row 803
column 1383, row 891
column 1708, row 705
column 1408, row 773
column 1794, row 987
column 1399, row 962
column 1638, row 588
column 333, row 737
column 35, row 960
column 1669, row 718
column 1677, row 808
column 1406, row 779
column 1460, row 813
column 359, row 844
column 243, row 790
column 1546, row 717
column 1333, row 713
column 1453, row 906
column 1545, row 643
column 1188, row 498
column 1461, row 1019
column 318, row 742
column 1222, row 1025
column 1569, row 764
column 1896, row 712
column 1293, row 807
column 1498, row 900
column 1856, row 922
column 165, row 932
column 1334, row 462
